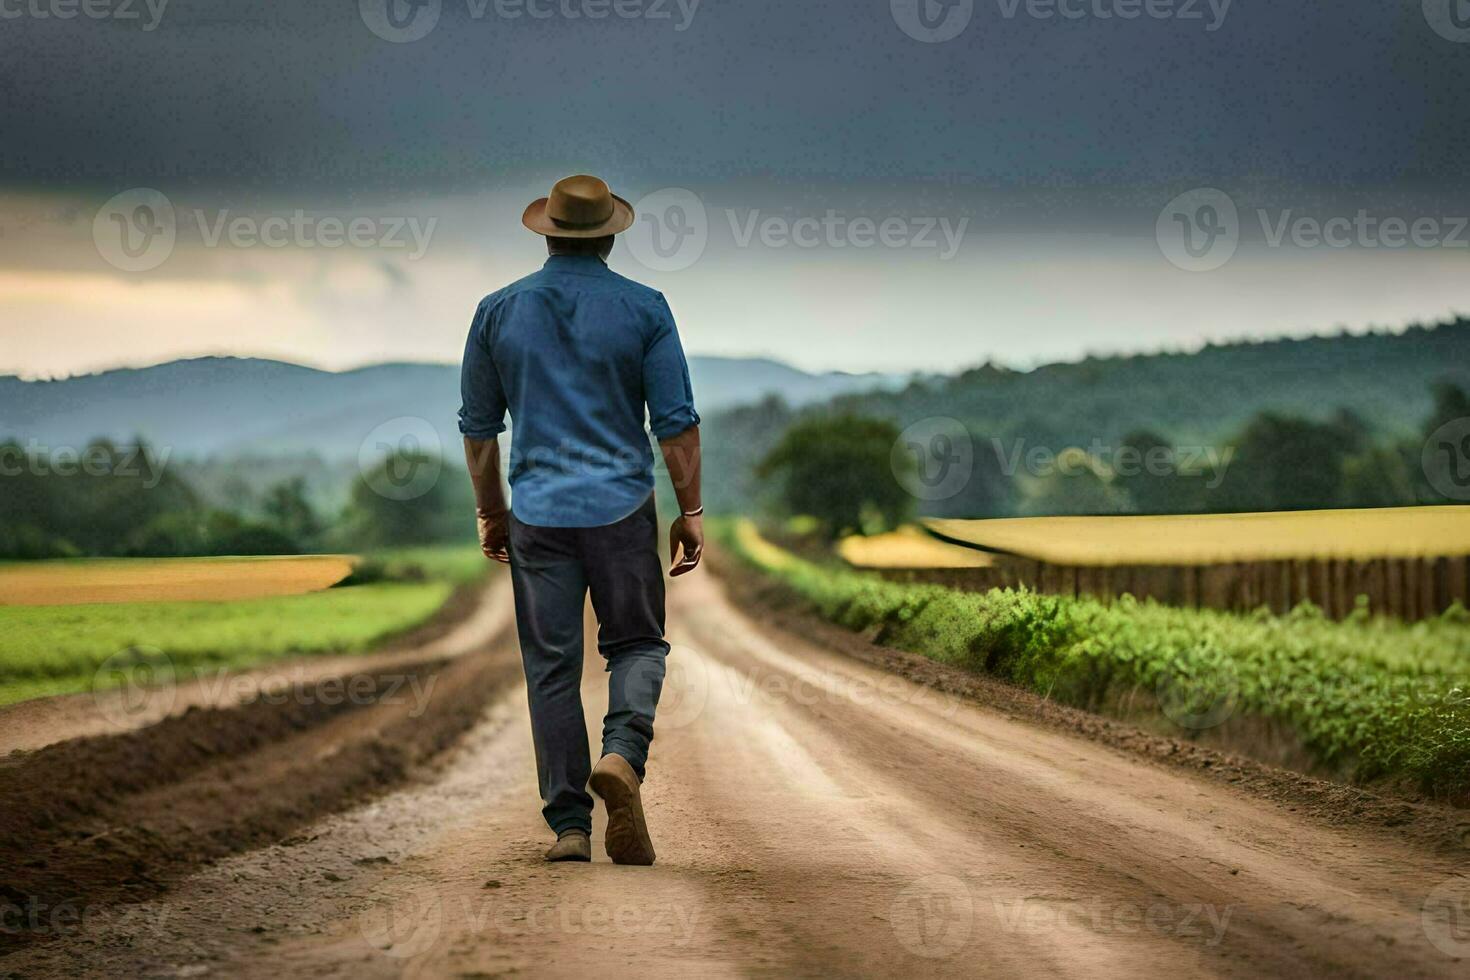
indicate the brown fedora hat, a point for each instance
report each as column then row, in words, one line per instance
column 579, row 207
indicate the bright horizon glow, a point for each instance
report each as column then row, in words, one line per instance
column 1008, row 297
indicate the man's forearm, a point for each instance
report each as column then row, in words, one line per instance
column 483, row 459
column 681, row 456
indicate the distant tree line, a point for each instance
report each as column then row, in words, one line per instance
column 842, row 469
column 1206, row 398
column 126, row 501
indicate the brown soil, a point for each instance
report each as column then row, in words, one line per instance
column 116, row 817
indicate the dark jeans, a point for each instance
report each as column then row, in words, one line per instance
column 553, row 569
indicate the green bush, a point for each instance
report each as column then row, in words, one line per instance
column 1374, row 697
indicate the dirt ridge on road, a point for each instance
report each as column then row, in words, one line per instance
column 1439, row 828
column 115, row 818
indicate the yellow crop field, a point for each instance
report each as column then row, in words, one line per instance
column 1203, row 539
column 55, row 583
column 908, row 547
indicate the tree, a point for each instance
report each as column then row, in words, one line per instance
column 1075, row 486
column 1148, row 472
column 1380, row 476
column 1288, row 463
column 838, row 469
column 409, row 499
column 1444, row 460
column 289, row 511
column 1451, row 403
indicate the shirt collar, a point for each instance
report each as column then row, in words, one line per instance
column 584, row 265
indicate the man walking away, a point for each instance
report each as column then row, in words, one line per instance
column 576, row 353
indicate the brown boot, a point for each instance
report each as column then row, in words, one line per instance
column 627, row 841
column 571, row 845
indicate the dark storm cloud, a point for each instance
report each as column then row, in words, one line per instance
column 297, row 95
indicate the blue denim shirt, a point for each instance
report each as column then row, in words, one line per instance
column 576, row 352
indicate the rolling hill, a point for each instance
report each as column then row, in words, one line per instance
column 225, row 406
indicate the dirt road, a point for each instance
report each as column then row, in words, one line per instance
column 814, row 816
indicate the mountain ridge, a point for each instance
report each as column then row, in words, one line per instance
column 220, row 404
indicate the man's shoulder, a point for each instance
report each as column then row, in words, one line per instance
column 519, row 286
column 635, row 288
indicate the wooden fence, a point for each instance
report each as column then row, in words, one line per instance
column 1409, row 588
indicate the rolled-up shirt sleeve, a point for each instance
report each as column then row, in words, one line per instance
column 482, row 397
column 666, row 385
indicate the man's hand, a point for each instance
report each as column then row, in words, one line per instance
column 492, row 516
column 681, row 456
column 494, row 534
column 688, row 533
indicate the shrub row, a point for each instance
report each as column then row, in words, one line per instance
column 1368, row 697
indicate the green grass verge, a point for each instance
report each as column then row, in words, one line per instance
column 456, row 565
column 1370, row 697
column 59, row 649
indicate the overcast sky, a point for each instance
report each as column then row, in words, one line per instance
column 339, row 182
